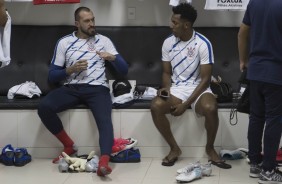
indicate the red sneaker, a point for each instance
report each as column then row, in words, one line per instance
column 122, row 144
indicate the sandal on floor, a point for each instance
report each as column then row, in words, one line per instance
column 221, row 164
column 167, row 162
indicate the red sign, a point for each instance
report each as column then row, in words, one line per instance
column 37, row 2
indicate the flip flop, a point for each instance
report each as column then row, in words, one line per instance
column 167, row 162
column 221, row 164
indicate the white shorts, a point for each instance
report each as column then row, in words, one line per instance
column 184, row 92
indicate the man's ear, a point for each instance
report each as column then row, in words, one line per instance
column 187, row 25
column 76, row 23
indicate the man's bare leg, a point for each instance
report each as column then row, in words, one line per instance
column 207, row 106
column 159, row 108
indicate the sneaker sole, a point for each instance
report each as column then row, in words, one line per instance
column 20, row 164
column 268, row 182
column 254, row 175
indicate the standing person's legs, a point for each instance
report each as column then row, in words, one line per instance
column 57, row 101
column 159, row 108
column 256, row 123
column 99, row 101
column 206, row 106
column 273, row 127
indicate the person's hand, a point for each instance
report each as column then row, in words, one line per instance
column 177, row 110
column 243, row 66
column 106, row 56
column 78, row 67
column 163, row 92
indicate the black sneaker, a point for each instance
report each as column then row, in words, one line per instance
column 21, row 157
column 255, row 170
column 273, row 177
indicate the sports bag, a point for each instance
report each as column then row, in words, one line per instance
column 222, row 90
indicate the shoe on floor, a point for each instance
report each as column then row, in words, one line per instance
column 7, row 156
column 273, row 177
column 63, row 165
column 206, row 168
column 232, row 154
column 255, row 170
column 169, row 163
column 21, row 157
column 127, row 156
column 123, row 144
column 92, row 165
column 196, row 173
column 189, row 167
column 221, row 164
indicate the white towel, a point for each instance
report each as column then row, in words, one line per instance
column 5, row 38
column 127, row 97
column 176, row 2
column 28, row 89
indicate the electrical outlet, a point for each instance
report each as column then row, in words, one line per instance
column 131, row 13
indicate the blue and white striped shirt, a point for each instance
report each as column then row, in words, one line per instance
column 186, row 57
column 70, row 49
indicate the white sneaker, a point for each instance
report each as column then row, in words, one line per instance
column 206, row 168
column 188, row 168
column 196, row 173
column 92, row 165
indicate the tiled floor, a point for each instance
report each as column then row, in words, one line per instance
column 148, row 171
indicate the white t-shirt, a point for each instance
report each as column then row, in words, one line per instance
column 186, row 57
column 70, row 49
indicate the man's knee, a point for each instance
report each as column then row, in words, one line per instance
column 209, row 108
column 156, row 105
column 43, row 108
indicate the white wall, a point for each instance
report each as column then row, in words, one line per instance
column 23, row 128
column 114, row 13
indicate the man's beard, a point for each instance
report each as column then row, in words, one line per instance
column 88, row 32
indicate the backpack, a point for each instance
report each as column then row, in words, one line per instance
column 222, row 90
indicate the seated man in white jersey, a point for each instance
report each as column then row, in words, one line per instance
column 79, row 59
column 187, row 58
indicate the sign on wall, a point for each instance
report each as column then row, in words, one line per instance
column 176, row 2
column 37, row 2
column 226, row 4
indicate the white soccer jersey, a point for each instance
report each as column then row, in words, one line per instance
column 70, row 49
column 186, row 58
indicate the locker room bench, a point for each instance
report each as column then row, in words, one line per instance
column 32, row 49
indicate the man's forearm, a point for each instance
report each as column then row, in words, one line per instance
column 166, row 80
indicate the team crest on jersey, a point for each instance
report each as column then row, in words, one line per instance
column 191, row 52
column 91, row 45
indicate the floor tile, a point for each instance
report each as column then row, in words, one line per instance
column 148, row 171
